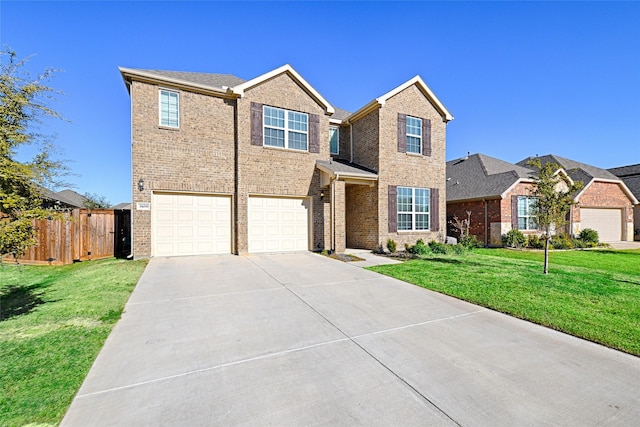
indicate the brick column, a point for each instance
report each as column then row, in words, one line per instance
column 339, row 222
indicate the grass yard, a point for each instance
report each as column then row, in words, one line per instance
column 53, row 323
column 590, row 294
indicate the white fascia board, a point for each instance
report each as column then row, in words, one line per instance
column 345, row 175
column 623, row 186
column 335, row 121
column 417, row 80
column 240, row 89
column 127, row 73
column 564, row 172
column 518, row 181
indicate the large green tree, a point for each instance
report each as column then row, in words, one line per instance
column 24, row 103
column 554, row 192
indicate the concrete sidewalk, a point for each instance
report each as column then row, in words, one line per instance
column 300, row 339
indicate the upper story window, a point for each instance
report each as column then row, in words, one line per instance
column 169, row 109
column 413, row 208
column 334, row 139
column 414, row 135
column 286, row 129
column 526, row 218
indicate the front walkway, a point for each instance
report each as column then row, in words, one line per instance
column 301, row 339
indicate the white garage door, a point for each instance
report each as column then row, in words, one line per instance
column 607, row 222
column 188, row 224
column 278, row 224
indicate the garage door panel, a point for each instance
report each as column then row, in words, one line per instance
column 607, row 222
column 278, row 224
column 190, row 224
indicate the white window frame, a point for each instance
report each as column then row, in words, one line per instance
column 337, row 134
column 160, row 115
column 412, row 212
column 414, row 135
column 287, row 130
column 530, row 220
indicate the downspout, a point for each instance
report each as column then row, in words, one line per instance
column 351, row 141
column 133, row 205
column 486, row 222
column 571, row 221
column 333, row 216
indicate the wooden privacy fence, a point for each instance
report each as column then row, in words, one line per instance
column 83, row 234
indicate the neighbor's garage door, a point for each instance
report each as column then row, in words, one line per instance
column 188, row 224
column 607, row 222
column 278, row 224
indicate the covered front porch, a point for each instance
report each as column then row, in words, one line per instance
column 352, row 191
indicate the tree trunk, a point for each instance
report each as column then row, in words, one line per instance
column 546, row 252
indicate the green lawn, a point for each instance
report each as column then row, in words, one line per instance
column 590, row 294
column 53, row 323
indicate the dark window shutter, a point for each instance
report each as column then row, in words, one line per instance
column 514, row 212
column 426, row 137
column 402, row 133
column 314, row 133
column 256, row 124
column 435, row 209
column 393, row 208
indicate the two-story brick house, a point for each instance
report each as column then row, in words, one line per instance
column 223, row 165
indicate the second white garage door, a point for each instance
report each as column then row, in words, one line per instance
column 607, row 222
column 278, row 224
column 190, row 224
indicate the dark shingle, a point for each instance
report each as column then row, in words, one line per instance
column 630, row 175
column 206, row 79
column 480, row 176
column 576, row 170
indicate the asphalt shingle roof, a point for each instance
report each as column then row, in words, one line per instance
column 206, row 79
column 481, row 176
column 576, row 170
column 342, row 168
column 630, row 175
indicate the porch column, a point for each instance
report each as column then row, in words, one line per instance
column 339, row 221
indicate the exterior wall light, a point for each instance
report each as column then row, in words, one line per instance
column 141, row 184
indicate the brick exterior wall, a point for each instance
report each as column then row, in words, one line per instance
column 279, row 172
column 197, row 157
column 409, row 169
column 375, row 143
column 606, row 195
column 362, row 216
column 211, row 153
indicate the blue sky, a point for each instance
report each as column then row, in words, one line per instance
column 520, row 78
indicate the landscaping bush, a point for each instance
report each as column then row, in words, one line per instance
column 391, row 245
column 419, row 248
column 535, row 242
column 514, row 239
column 589, row 236
column 561, row 241
column 469, row 242
column 437, row 247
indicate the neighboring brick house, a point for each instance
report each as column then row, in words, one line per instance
column 223, row 165
column 631, row 177
column 498, row 195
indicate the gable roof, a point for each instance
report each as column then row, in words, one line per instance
column 578, row 171
column 285, row 69
column 222, row 83
column 630, row 175
column 479, row 176
column 69, row 198
column 420, row 84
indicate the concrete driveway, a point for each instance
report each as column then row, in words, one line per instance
column 300, row 339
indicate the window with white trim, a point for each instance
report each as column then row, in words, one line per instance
column 413, row 208
column 169, row 109
column 286, row 129
column 526, row 218
column 414, row 135
column 334, row 139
